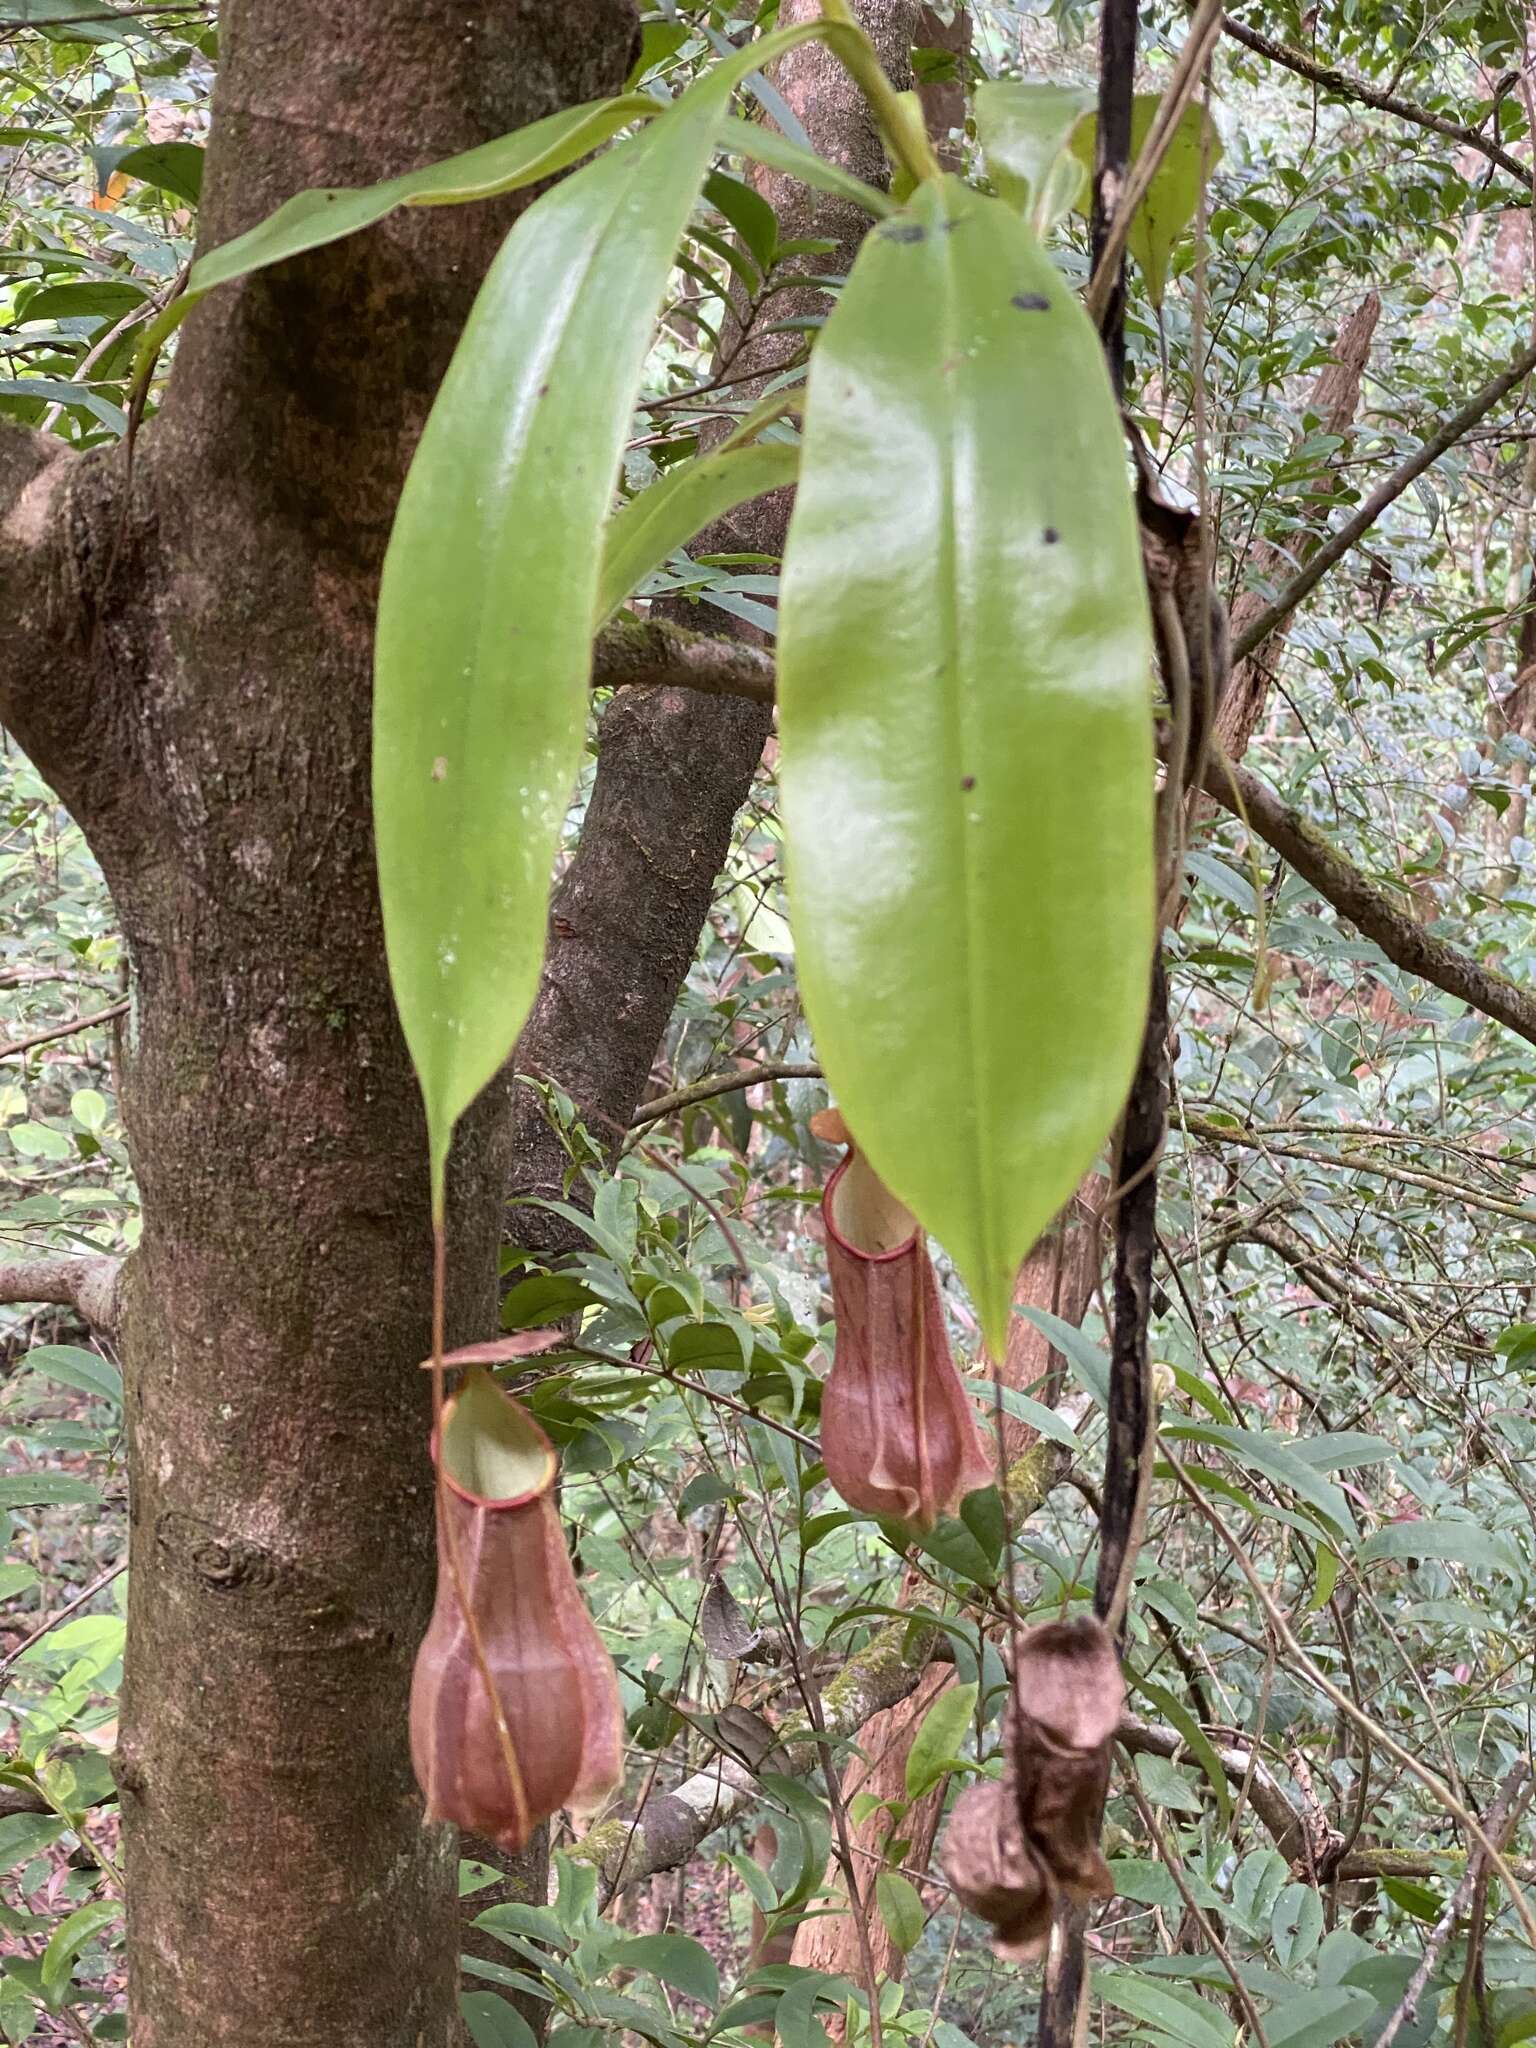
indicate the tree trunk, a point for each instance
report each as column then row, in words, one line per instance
column 193, row 673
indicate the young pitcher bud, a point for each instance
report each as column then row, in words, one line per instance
column 548, row 1732
column 897, row 1433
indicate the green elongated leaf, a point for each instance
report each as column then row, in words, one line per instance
column 1450, row 1542
column 176, row 167
column 85, row 299
column 677, row 1959
column 937, row 1742
column 1342, row 1450
column 1025, row 128
column 1276, row 1461
column 483, row 649
column 45, row 1490
column 1174, row 193
column 311, row 219
column 1196, row 1740
column 493, row 2023
column 667, row 514
column 69, row 1937
column 964, row 730
column 1088, row 1360
column 1024, row 1409
column 1184, row 2015
column 767, row 146
column 73, row 1366
column 1316, row 2019
column 748, row 213
column 901, row 1909
column 78, row 398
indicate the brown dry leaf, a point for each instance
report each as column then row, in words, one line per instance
column 1015, row 1846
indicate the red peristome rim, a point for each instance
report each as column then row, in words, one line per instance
column 857, row 1251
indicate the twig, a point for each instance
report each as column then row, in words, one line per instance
column 1127, row 1469
column 1173, row 1864
column 1385, row 494
column 1369, row 908
column 21, row 1045
column 1105, row 298
column 662, row 1372
column 1305, row 1666
column 712, row 1085
column 1350, row 88
column 1502, row 1816
column 86, row 1594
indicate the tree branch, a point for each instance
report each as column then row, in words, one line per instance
column 724, row 667
column 87, row 1285
column 720, row 1084
column 672, row 1825
column 655, row 654
column 1370, row 909
column 65, row 1030
column 35, row 469
column 1335, row 549
column 1349, row 88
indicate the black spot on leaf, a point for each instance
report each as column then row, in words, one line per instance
column 1031, row 302
column 1050, row 536
column 904, row 231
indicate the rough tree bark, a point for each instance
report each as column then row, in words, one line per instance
column 189, row 663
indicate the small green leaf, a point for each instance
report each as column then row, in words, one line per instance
column 1260, row 1878
column 22, row 1835
column 175, row 167
column 1296, row 1924
column 755, row 1878
column 677, row 1959
column 936, row 1746
column 964, row 731
column 543, row 1298
column 1421, row 1901
column 1025, row 129
column 493, row 2023
column 1174, row 193
column 88, row 1107
column 1316, row 2019
column 748, row 213
column 1165, row 1784
column 668, row 513
column 901, row 1909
